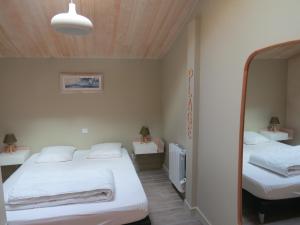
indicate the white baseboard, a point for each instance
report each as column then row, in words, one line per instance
column 201, row 215
column 165, row 168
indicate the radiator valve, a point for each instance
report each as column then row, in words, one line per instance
column 183, row 181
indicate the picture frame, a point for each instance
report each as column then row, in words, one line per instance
column 81, row 83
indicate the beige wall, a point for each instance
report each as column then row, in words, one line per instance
column 266, row 93
column 230, row 31
column 175, row 64
column 33, row 107
column 293, row 98
column 193, row 63
column 174, row 67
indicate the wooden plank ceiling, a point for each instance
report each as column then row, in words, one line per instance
column 122, row 28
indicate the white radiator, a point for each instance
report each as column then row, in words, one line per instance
column 177, row 166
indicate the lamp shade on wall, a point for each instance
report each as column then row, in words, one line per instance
column 144, row 131
column 274, row 120
column 9, row 139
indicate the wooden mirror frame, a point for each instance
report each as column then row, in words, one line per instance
column 242, row 121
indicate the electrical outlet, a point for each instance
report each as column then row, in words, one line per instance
column 84, row 130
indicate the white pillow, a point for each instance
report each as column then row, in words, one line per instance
column 56, row 154
column 253, row 138
column 105, row 151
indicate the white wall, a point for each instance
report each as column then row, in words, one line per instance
column 174, row 67
column 230, row 31
column 33, row 107
column 293, row 98
column 182, row 57
column 266, row 93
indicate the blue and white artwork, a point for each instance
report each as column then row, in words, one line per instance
column 81, row 83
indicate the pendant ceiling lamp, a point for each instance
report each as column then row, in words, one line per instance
column 71, row 23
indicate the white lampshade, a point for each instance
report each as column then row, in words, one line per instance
column 71, row 22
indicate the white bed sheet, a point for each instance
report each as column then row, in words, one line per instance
column 130, row 202
column 264, row 183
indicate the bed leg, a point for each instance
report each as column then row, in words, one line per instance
column 145, row 221
column 263, row 205
column 261, row 217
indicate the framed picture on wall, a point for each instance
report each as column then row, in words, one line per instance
column 81, row 82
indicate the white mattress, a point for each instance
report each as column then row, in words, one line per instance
column 264, row 183
column 130, row 203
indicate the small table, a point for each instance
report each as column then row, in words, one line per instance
column 148, row 155
column 144, row 148
column 10, row 162
column 280, row 135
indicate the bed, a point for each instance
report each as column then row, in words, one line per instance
column 130, row 205
column 268, row 187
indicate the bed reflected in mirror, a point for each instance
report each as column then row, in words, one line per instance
column 271, row 146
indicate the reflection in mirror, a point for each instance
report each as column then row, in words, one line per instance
column 271, row 150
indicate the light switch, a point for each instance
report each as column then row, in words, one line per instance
column 84, row 130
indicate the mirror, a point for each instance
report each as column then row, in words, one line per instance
column 271, row 144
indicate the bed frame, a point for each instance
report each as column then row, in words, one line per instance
column 265, row 206
column 145, row 221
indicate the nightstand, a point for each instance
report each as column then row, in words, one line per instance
column 148, row 155
column 281, row 135
column 10, row 162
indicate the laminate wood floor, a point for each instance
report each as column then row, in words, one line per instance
column 166, row 207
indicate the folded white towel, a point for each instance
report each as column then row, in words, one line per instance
column 284, row 161
column 63, row 184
